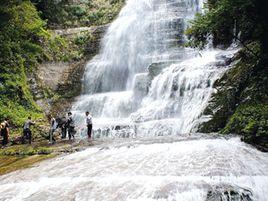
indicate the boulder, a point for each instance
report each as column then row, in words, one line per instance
column 94, row 44
column 156, row 68
column 227, row 192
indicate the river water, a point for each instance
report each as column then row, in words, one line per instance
column 182, row 168
column 147, row 92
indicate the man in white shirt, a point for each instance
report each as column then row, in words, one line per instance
column 89, row 124
column 27, row 133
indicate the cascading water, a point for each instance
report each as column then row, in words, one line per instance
column 144, row 79
column 144, row 84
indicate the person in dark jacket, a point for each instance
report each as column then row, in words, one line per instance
column 5, row 131
column 27, row 133
column 62, row 124
column 70, row 126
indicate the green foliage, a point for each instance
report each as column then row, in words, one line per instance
column 78, row 11
column 63, row 48
column 224, row 20
column 81, row 40
column 17, row 113
column 25, row 150
column 55, row 49
column 44, row 150
column 25, row 42
column 104, row 14
column 21, row 34
column 53, row 11
column 251, row 121
column 66, row 13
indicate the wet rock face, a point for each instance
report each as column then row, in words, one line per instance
column 64, row 78
column 223, row 100
column 239, row 104
column 52, row 75
column 61, row 78
column 156, row 68
column 97, row 34
column 70, row 84
column 141, row 84
column 229, row 193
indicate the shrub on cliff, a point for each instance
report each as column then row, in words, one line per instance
column 251, row 121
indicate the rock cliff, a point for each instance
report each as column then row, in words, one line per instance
column 54, row 84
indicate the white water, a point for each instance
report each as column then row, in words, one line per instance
column 186, row 169
column 143, row 150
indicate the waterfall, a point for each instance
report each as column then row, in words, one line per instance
column 145, row 87
column 144, row 80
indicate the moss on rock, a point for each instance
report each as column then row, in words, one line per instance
column 241, row 101
column 250, row 121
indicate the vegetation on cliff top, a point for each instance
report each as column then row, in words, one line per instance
column 241, row 102
column 71, row 13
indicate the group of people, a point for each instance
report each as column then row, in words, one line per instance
column 4, row 131
column 66, row 125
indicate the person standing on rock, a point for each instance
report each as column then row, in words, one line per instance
column 27, row 133
column 89, row 124
column 70, row 126
column 63, row 127
column 53, row 127
column 5, row 131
